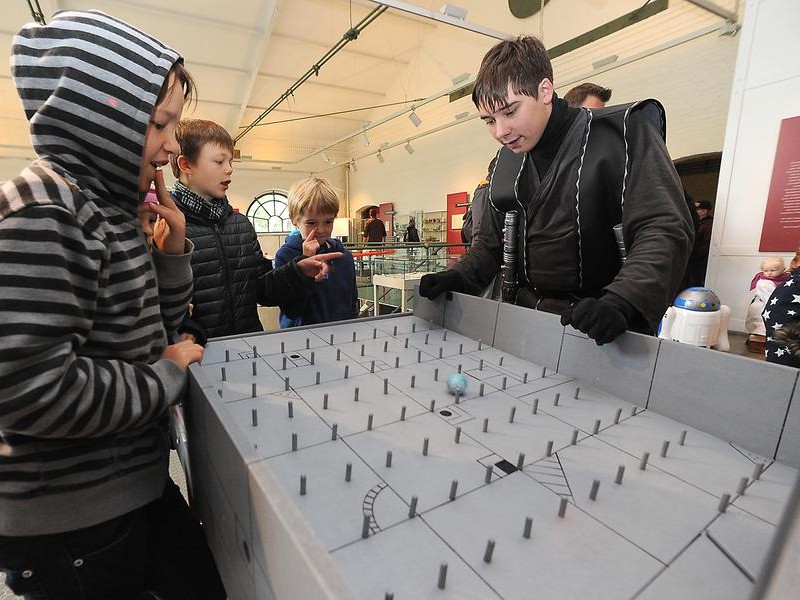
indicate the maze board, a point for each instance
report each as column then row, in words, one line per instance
column 332, row 462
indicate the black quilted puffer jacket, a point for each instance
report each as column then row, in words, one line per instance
column 232, row 276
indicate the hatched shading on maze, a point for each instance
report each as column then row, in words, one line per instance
column 349, row 466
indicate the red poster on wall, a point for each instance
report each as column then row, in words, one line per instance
column 386, row 214
column 781, row 230
column 456, row 209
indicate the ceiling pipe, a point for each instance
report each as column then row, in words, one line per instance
column 349, row 35
column 36, row 12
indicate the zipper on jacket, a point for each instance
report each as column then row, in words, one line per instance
column 226, row 278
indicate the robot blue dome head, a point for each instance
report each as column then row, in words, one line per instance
column 698, row 299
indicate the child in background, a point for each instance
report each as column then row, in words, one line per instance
column 231, row 274
column 313, row 205
column 772, row 274
column 87, row 373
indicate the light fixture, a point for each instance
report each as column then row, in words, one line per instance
column 364, row 138
column 605, row 61
column 409, row 148
column 459, row 78
column 353, row 166
column 462, row 115
column 383, row 145
column 414, row 118
column 325, row 156
column 380, row 157
column 454, row 11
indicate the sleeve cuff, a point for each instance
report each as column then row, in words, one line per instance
column 175, row 267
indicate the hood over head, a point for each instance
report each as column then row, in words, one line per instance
column 89, row 83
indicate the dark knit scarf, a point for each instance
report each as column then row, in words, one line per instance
column 196, row 204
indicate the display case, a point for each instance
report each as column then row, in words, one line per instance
column 433, row 227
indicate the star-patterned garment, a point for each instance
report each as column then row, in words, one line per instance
column 782, row 307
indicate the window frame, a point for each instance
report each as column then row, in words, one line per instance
column 274, row 198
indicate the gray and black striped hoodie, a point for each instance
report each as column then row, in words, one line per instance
column 83, row 303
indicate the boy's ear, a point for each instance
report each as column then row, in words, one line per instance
column 183, row 163
column 545, row 90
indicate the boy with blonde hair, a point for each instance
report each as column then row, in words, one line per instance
column 313, row 206
column 231, row 275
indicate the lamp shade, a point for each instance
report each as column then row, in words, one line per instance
column 341, row 227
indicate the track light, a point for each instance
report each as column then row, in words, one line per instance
column 325, row 156
column 456, row 12
column 353, row 166
column 409, row 148
column 605, row 61
column 364, row 138
column 380, row 157
column 414, row 118
column 462, row 115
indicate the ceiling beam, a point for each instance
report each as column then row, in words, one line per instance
column 162, row 12
column 217, row 67
column 268, row 16
column 442, row 18
column 716, row 9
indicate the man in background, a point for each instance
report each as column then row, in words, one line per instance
column 374, row 229
column 588, row 95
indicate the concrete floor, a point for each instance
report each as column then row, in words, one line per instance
column 737, row 341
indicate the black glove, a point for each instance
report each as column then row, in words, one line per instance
column 601, row 320
column 433, row 284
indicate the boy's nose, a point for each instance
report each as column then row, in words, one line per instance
column 502, row 129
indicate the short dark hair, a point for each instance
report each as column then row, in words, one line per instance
column 578, row 94
column 522, row 62
column 373, row 211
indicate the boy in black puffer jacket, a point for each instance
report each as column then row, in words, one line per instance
column 313, row 206
column 231, row 274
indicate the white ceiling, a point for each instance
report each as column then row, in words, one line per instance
column 244, row 54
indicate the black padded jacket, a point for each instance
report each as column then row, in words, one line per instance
column 232, row 276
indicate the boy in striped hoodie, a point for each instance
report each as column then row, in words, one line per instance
column 87, row 373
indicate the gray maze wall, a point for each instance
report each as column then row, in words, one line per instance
column 648, row 469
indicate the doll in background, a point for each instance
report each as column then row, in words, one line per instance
column 772, row 274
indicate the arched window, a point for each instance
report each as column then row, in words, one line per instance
column 269, row 213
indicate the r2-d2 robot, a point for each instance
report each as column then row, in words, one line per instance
column 697, row 318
